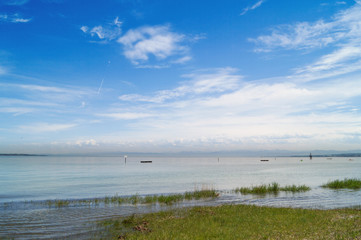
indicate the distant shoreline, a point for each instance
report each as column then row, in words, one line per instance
column 22, row 155
column 211, row 154
column 332, row 155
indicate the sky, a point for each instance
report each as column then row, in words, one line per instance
column 171, row 76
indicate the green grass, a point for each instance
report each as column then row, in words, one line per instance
column 136, row 199
column 350, row 183
column 236, row 222
column 293, row 188
column 273, row 188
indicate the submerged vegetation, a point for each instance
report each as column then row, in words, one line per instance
column 293, row 188
column 236, row 222
column 271, row 188
column 136, row 199
column 350, row 183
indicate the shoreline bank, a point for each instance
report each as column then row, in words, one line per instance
column 236, row 222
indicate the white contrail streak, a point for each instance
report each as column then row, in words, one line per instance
column 101, row 85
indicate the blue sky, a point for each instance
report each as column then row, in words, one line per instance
column 171, row 76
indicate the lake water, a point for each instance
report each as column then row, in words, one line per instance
column 27, row 181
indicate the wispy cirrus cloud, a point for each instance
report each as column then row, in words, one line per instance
column 154, row 41
column 45, row 127
column 201, row 82
column 13, row 18
column 16, row 111
column 344, row 27
column 341, row 34
column 107, row 32
column 341, row 61
column 125, row 115
column 252, row 7
column 29, row 98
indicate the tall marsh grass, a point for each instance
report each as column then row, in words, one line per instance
column 136, row 199
column 273, row 188
column 349, row 183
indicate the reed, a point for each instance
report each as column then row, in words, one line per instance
column 273, row 188
column 200, row 194
column 348, row 183
column 293, row 188
column 136, row 199
column 261, row 189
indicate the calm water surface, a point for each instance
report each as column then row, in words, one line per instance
column 26, row 181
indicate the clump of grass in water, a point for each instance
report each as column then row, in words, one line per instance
column 199, row 194
column 350, row 183
column 271, row 188
column 169, row 199
column 150, row 199
column 293, row 188
column 59, row 203
column 261, row 189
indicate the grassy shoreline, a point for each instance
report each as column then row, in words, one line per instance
column 236, row 222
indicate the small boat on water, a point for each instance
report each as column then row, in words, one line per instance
column 146, row 161
column 264, row 160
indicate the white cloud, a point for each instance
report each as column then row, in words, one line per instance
column 254, row 6
column 104, row 33
column 89, row 142
column 146, row 47
column 16, row 111
column 14, row 18
column 202, row 82
column 342, row 35
column 41, row 100
column 117, row 22
column 158, row 41
column 21, row 20
column 85, row 29
column 344, row 60
column 298, row 36
column 14, row 101
column 248, row 114
column 107, row 32
column 126, row 115
column 45, row 127
column 154, row 66
column 344, row 27
column 41, row 88
column 182, row 60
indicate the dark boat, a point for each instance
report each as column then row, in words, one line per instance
column 146, row 161
column 264, row 160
